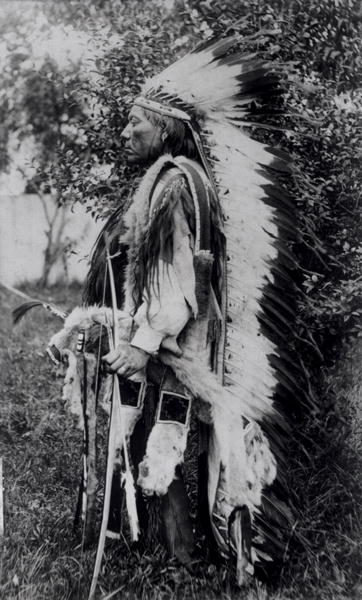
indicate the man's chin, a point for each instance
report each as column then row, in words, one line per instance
column 135, row 159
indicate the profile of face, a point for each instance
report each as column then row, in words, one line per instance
column 143, row 141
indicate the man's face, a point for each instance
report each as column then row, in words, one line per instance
column 142, row 139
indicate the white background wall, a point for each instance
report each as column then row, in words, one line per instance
column 23, row 239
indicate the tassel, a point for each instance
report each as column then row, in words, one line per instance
column 129, row 487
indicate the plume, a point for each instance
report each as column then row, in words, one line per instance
column 20, row 311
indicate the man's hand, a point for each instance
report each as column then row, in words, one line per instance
column 126, row 360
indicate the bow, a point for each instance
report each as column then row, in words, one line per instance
column 115, row 432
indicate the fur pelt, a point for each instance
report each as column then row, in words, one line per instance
column 72, row 389
column 240, row 465
column 248, row 464
column 165, row 450
column 87, row 319
column 84, row 318
column 80, row 318
column 191, row 368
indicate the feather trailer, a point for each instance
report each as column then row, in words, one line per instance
column 213, row 89
column 20, row 311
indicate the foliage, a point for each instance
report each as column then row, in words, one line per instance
column 36, row 106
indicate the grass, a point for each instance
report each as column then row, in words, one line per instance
column 41, row 556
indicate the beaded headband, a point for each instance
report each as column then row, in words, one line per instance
column 162, row 109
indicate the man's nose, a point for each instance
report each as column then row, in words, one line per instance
column 125, row 133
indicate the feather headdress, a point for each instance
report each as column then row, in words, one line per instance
column 213, row 90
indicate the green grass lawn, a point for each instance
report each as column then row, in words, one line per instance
column 41, row 557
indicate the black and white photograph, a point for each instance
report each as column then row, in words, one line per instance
column 181, row 299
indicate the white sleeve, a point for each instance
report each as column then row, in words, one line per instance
column 165, row 314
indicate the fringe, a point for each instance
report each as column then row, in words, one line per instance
column 153, row 535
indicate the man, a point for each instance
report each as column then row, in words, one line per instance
column 162, row 301
column 201, row 268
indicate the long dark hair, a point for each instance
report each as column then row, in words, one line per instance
column 96, row 288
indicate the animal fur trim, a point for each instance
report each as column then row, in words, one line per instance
column 72, row 389
column 90, row 363
column 84, row 318
column 248, row 464
column 240, row 465
column 165, row 450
